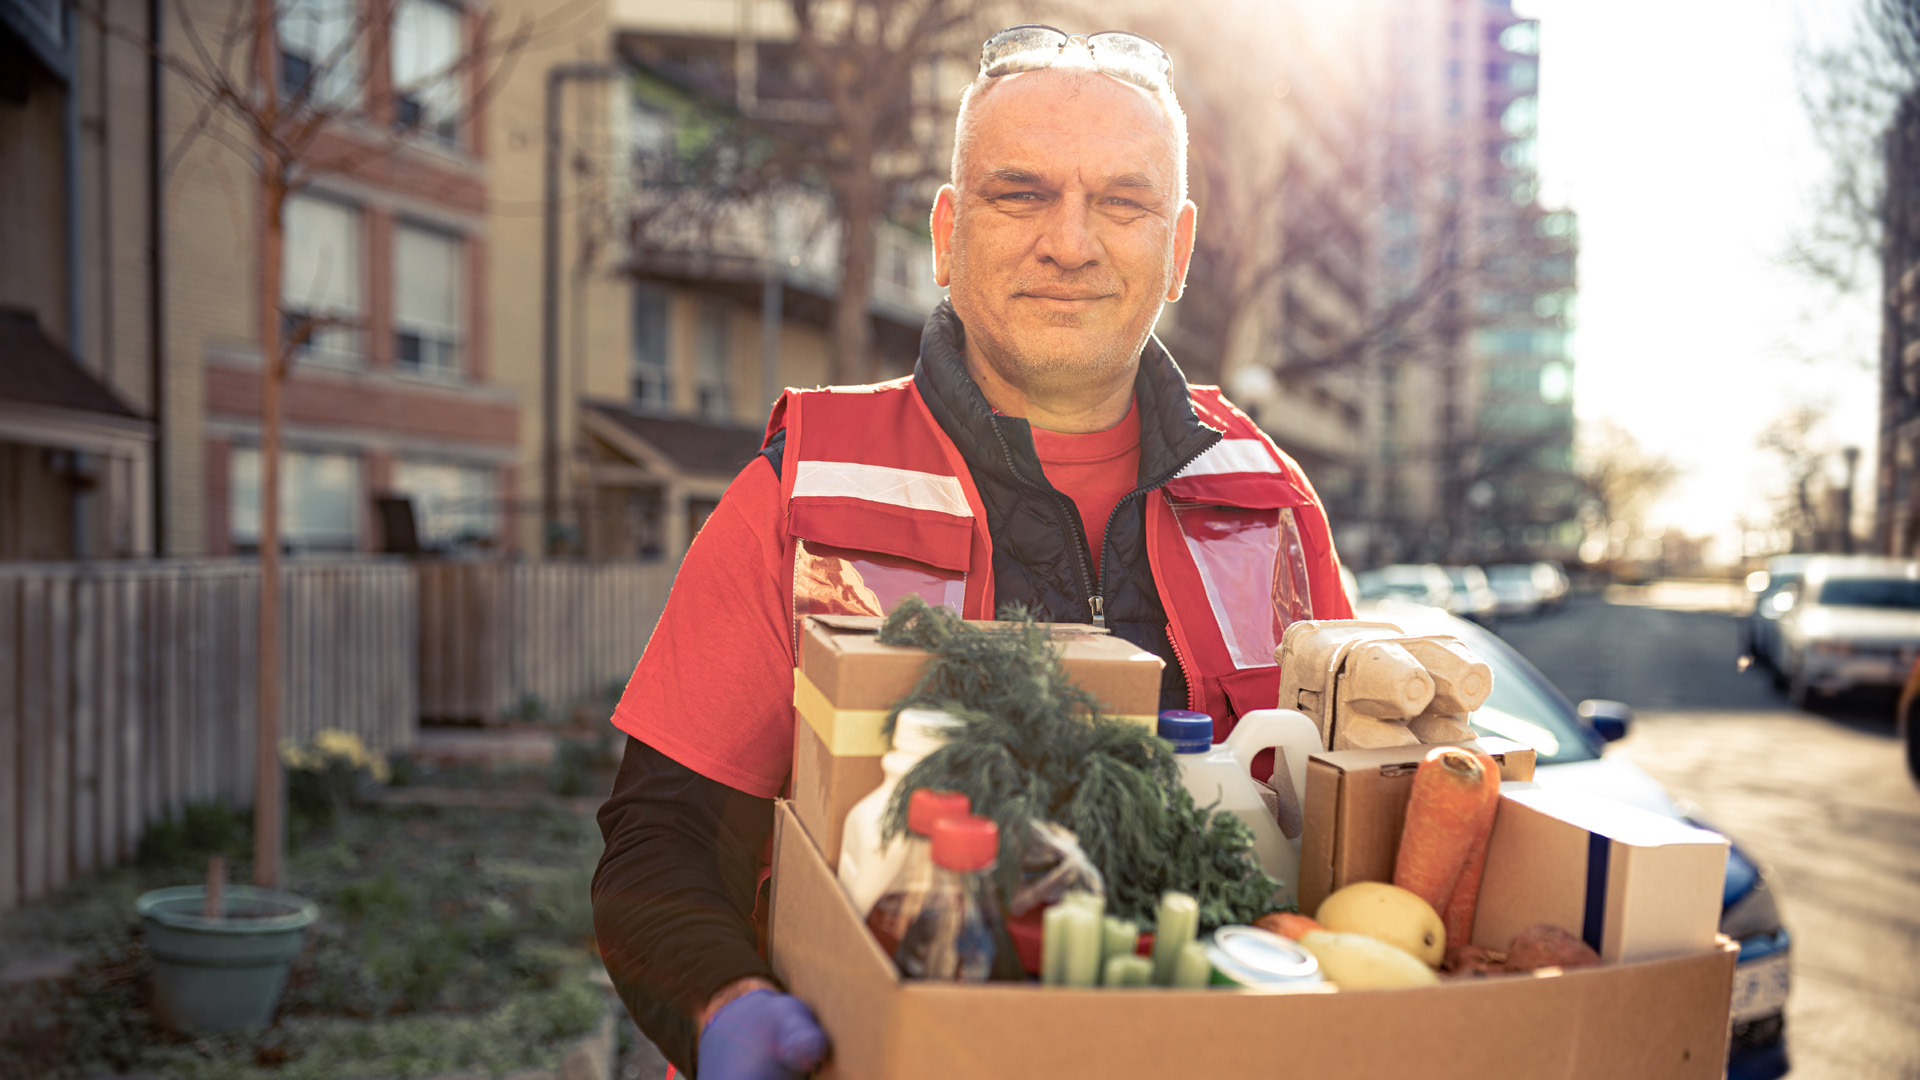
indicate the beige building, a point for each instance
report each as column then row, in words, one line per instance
column 77, row 396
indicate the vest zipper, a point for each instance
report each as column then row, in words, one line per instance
column 1195, row 698
column 1095, row 603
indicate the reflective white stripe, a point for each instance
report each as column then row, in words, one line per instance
column 1233, row 456
column 881, row 484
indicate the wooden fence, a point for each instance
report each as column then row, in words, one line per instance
column 495, row 636
column 127, row 690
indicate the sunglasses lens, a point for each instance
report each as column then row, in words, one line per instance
column 1143, row 61
column 1020, row 48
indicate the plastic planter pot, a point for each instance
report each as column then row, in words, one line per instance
column 221, row 974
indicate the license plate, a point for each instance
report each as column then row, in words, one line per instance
column 1760, row 987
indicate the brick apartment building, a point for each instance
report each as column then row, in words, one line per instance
column 133, row 236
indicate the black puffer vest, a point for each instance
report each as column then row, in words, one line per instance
column 1041, row 556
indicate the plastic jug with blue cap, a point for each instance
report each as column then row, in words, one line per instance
column 1218, row 775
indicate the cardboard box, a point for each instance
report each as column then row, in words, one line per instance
column 1664, row 1018
column 847, row 682
column 1356, row 803
column 1633, row 884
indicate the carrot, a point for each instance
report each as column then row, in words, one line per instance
column 1458, row 914
column 1287, row 924
column 1451, row 790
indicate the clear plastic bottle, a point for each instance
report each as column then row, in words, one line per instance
column 901, row 897
column 957, row 935
column 868, row 862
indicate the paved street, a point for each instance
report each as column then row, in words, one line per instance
column 1820, row 798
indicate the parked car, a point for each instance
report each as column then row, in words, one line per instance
column 1516, row 589
column 1551, row 579
column 1569, row 743
column 1762, row 630
column 1852, row 621
column 1419, row 583
column 1473, row 598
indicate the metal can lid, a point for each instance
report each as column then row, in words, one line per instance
column 1254, row 957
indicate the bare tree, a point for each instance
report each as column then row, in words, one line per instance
column 1620, row 477
column 851, row 105
column 1793, row 440
column 288, row 127
column 1850, row 92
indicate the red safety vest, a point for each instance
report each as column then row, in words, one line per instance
column 880, row 503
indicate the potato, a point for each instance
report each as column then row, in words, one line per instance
column 1358, row 962
column 1548, row 946
column 1472, row 960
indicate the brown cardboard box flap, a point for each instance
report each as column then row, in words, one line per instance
column 1665, row 1018
column 843, row 657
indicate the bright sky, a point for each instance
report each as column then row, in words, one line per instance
column 1675, row 130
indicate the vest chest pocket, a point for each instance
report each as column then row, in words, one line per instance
column 830, row 580
column 1253, row 565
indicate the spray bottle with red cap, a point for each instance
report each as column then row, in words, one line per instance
column 957, row 934
column 901, row 897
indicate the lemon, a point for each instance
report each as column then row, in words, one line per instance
column 1387, row 913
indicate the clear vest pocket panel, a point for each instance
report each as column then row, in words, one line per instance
column 831, row 580
column 1254, row 566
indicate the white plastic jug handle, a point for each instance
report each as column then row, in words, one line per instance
column 1286, row 729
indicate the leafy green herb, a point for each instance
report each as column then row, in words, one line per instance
column 1032, row 745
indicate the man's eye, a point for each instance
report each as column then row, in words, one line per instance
column 1022, row 196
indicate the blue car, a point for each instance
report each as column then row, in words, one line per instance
column 1568, row 742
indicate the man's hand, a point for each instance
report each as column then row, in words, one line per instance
column 750, row 1031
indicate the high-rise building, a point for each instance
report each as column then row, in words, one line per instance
column 1475, row 432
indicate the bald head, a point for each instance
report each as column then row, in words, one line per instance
column 1081, row 76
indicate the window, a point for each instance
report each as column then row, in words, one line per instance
column 1556, row 383
column 453, row 505
column 652, row 388
column 319, row 501
column 317, row 58
column 1523, row 38
column 426, row 301
column 320, row 278
column 426, row 79
column 1522, row 118
column 712, row 363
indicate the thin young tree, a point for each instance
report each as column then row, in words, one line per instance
column 287, row 128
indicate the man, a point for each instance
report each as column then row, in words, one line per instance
column 1046, row 452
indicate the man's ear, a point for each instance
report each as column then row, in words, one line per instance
column 943, row 208
column 1182, row 247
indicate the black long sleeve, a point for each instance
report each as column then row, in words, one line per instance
column 673, row 898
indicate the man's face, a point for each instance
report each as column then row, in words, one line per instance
column 1066, row 232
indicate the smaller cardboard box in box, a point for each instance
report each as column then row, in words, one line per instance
column 847, row 681
column 1356, row 802
column 1631, row 883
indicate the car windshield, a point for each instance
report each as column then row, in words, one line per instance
column 1872, row 592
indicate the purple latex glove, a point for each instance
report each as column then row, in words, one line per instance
column 762, row 1035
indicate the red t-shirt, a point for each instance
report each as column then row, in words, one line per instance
column 1096, row 470
column 714, row 689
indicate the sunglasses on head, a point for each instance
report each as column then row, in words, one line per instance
column 1034, row 47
